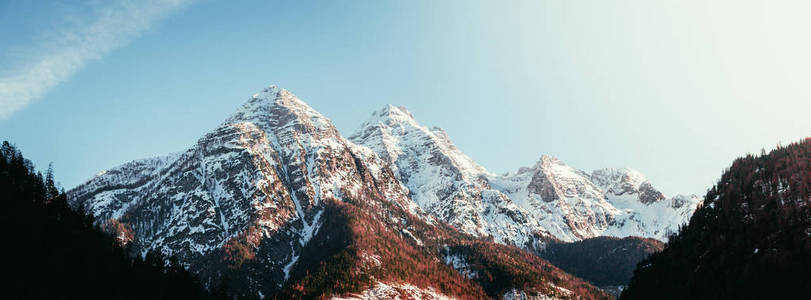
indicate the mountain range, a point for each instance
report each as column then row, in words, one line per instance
column 546, row 201
column 275, row 202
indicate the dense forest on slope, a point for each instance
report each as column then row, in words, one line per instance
column 750, row 240
column 604, row 261
column 53, row 252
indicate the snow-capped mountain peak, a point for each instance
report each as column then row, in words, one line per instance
column 276, row 108
column 442, row 180
column 392, row 130
column 554, row 199
column 396, row 113
column 547, row 159
column 625, row 181
column 613, row 175
column 395, row 117
column 553, row 180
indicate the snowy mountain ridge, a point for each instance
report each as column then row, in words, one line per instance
column 443, row 180
column 254, row 194
column 275, row 191
column 549, row 200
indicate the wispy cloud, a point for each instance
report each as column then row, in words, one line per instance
column 111, row 27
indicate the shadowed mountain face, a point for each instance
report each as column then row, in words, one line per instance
column 604, row 261
column 750, row 240
column 274, row 202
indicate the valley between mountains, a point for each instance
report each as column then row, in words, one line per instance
column 276, row 203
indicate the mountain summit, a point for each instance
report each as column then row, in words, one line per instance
column 443, row 180
column 274, row 202
column 549, row 201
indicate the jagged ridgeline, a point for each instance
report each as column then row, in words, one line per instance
column 276, row 203
column 53, row 252
column 750, row 240
column 548, row 201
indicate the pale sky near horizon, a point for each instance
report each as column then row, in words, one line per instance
column 675, row 89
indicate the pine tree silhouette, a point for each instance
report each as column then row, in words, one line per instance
column 53, row 252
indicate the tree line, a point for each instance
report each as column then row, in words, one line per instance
column 51, row 251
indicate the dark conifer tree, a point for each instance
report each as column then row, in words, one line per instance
column 51, row 191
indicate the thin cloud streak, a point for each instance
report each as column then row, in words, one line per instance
column 113, row 26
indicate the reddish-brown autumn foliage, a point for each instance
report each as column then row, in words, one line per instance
column 237, row 253
column 362, row 244
column 122, row 232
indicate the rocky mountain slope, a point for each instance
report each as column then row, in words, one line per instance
column 276, row 203
column 750, row 240
column 446, row 182
column 549, row 201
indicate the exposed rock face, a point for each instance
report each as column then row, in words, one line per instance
column 648, row 195
column 619, row 182
column 542, row 186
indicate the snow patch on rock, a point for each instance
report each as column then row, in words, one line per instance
column 395, row 291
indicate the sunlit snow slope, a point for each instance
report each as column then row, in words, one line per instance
column 549, row 200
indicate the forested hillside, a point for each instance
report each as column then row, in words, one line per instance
column 53, row 252
column 750, row 240
column 604, row 261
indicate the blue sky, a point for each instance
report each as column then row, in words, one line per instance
column 675, row 89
